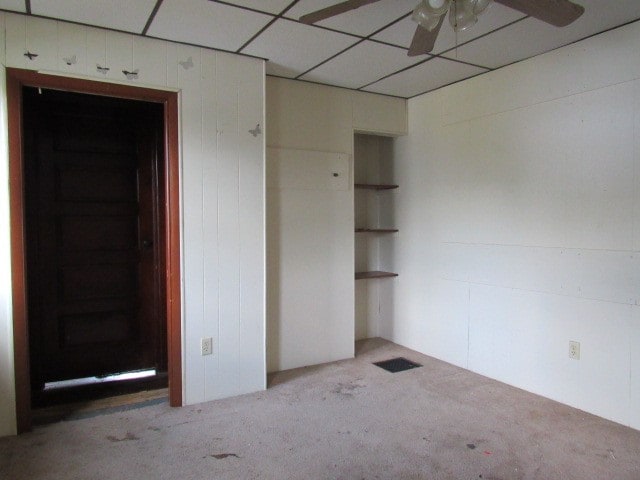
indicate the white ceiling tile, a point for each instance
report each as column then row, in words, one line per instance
column 522, row 40
column 270, row 6
column 115, row 14
column 496, row 16
column 400, row 33
column 363, row 64
column 292, row 48
column 362, row 21
column 427, row 76
column 532, row 37
column 206, row 23
column 13, row 5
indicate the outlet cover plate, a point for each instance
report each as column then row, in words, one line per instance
column 206, row 346
column 574, row 350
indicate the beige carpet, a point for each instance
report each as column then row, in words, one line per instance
column 344, row 420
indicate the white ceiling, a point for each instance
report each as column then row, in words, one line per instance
column 364, row 49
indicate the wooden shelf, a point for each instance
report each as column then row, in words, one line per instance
column 375, row 274
column 368, row 186
column 376, row 230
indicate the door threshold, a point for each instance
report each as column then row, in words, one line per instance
column 95, row 391
column 102, row 406
column 78, row 382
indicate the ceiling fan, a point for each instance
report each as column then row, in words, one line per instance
column 430, row 15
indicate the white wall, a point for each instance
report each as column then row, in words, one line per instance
column 310, row 223
column 222, row 187
column 519, row 202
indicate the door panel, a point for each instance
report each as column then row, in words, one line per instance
column 94, row 229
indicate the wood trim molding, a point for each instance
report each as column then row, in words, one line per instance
column 18, row 257
column 16, row 79
column 172, row 233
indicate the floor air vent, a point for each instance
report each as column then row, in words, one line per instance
column 397, row 365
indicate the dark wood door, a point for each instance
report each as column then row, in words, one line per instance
column 94, row 236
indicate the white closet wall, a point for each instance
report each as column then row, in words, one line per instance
column 222, row 191
column 310, row 226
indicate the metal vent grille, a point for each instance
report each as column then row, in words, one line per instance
column 398, row 364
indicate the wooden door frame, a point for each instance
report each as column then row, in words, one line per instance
column 18, row 78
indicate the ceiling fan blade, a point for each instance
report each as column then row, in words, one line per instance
column 424, row 40
column 334, row 10
column 555, row 12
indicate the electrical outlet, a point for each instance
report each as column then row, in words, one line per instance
column 574, row 350
column 206, row 346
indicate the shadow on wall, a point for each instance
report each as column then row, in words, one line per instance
column 273, row 240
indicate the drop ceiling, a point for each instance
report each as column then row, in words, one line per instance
column 365, row 49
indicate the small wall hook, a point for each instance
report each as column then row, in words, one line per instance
column 102, row 70
column 30, row 55
column 256, row 131
column 131, row 75
column 187, row 64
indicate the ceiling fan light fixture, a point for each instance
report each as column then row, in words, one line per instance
column 428, row 12
column 480, row 6
column 461, row 14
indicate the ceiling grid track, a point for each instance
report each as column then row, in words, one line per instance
column 443, row 53
column 362, row 39
column 151, row 17
column 482, row 36
column 277, row 17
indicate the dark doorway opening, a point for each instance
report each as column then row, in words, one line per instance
column 16, row 80
column 95, row 242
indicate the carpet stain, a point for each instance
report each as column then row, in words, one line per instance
column 347, row 389
column 471, row 446
column 38, row 443
column 159, row 429
column 129, row 436
column 607, row 456
column 220, row 456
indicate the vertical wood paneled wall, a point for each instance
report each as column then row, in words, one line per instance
column 222, row 181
